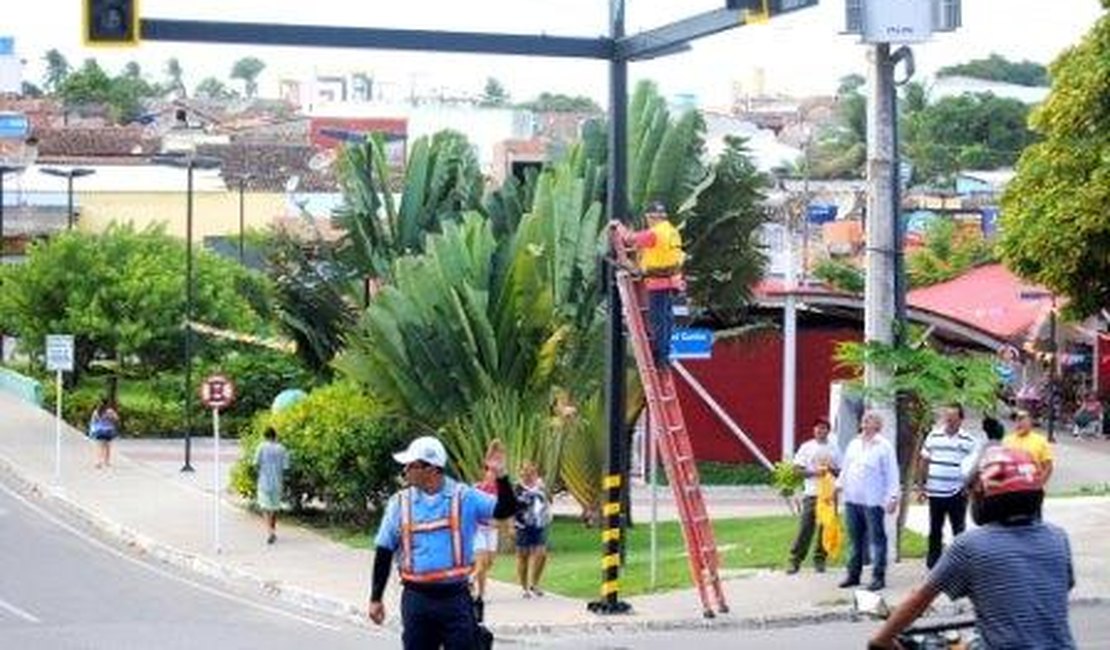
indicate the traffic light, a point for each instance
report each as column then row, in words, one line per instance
column 111, row 22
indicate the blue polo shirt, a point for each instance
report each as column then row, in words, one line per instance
column 432, row 550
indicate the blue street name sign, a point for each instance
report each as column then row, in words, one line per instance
column 13, row 126
column 692, row 343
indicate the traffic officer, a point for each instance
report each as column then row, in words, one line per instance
column 429, row 527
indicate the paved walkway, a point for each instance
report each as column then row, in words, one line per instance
column 145, row 500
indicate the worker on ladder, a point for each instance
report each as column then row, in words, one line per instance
column 661, row 260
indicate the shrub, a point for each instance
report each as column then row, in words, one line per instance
column 340, row 443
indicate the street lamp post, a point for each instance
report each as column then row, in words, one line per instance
column 69, row 174
column 242, row 180
column 188, row 162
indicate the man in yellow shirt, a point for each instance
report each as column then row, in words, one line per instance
column 661, row 259
column 1031, row 442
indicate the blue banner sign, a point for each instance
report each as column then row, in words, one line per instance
column 14, row 126
column 692, row 343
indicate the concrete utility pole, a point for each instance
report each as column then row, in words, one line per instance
column 790, row 338
column 879, row 289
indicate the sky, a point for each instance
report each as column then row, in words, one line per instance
column 800, row 54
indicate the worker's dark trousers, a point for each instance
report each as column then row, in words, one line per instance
column 660, row 306
column 437, row 617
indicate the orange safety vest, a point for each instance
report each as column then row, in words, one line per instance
column 410, row 529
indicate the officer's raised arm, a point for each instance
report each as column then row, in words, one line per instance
column 506, row 500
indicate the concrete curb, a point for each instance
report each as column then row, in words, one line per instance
column 526, row 634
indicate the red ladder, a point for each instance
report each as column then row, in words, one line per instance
column 673, row 444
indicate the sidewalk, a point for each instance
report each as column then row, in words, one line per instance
column 146, row 501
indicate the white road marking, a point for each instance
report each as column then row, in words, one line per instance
column 153, row 569
column 21, row 613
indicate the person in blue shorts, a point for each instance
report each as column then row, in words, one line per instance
column 103, row 428
column 532, row 518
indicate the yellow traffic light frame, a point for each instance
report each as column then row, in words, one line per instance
column 86, row 26
column 758, row 17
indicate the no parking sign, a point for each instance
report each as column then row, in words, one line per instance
column 217, row 392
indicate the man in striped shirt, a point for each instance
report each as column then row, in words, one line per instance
column 940, row 477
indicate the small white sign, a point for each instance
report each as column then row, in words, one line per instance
column 59, row 352
column 897, row 21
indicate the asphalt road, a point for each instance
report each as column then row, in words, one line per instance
column 61, row 587
column 1090, row 625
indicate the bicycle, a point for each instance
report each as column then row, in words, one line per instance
column 941, row 635
column 930, row 635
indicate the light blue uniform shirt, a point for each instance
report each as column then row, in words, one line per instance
column 431, row 551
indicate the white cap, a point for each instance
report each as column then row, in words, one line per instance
column 426, row 449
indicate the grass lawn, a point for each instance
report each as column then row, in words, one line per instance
column 574, row 564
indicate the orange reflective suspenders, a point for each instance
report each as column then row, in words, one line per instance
column 410, row 528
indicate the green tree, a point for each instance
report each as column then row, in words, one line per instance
column 88, row 85
column 123, row 94
column 57, row 69
column 30, row 90
column 122, row 294
column 998, row 68
column 247, row 70
column 721, row 239
column 1054, row 228
column 948, row 253
column 213, row 88
column 841, row 147
column 494, row 94
column 979, row 131
column 841, row 275
column 175, row 75
column 559, row 103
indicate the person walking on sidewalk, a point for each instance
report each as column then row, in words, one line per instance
column 940, row 477
column 1015, row 568
column 661, row 259
column 429, row 527
column 869, row 481
column 815, row 458
column 485, row 544
column 272, row 460
column 103, row 428
column 532, row 518
column 1031, row 442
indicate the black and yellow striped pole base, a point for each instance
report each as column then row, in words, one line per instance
column 610, row 602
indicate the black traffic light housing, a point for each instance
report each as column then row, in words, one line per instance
column 111, row 22
column 750, row 5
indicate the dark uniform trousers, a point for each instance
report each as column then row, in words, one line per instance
column 437, row 616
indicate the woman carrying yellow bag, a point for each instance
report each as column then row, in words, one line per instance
column 827, row 519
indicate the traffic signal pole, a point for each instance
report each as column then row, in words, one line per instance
column 614, row 482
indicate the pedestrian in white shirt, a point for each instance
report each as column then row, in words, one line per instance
column 814, row 458
column 940, row 477
column 869, row 483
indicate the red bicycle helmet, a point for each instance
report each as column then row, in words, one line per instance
column 1004, row 471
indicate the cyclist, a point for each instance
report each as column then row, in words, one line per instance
column 1015, row 568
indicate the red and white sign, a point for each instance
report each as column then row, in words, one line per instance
column 217, row 392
